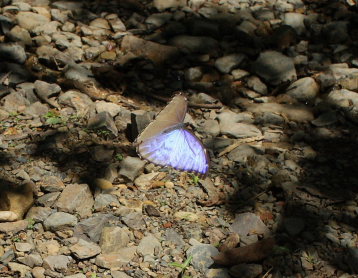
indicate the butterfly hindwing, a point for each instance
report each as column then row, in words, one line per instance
column 166, row 142
column 178, row 148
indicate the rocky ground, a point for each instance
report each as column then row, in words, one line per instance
column 273, row 89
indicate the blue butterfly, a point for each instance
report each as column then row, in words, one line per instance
column 167, row 142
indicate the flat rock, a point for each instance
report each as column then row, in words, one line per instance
column 239, row 130
column 114, row 238
column 84, row 249
column 51, row 184
column 31, row 260
column 345, row 100
column 81, row 102
column 22, row 269
column 144, row 181
column 93, row 226
column 294, row 112
column 60, row 220
column 218, row 273
column 116, row 260
column 202, row 256
column 195, row 44
column 155, row 52
column 227, row 63
column 13, row 52
column 148, row 245
column 76, row 198
column 13, row 227
column 57, row 263
column 304, row 89
column 248, row 223
column 103, row 120
column 274, row 67
column 131, row 167
column 168, row 4
column 105, row 200
column 30, row 20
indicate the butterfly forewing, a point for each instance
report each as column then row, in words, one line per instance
column 173, row 114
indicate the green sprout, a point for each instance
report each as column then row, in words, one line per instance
column 30, row 223
column 182, row 266
column 118, row 157
column 195, row 179
column 52, row 118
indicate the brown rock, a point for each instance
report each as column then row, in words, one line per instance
column 13, row 227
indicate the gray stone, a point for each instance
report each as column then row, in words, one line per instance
column 157, row 20
column 23, row 246
column 58, row 15
column 114, row 238
column 227, row 63
column 31, row 260
column 247, row 224
column 202, row 256
column 84, row 249
column 116, row 23
column 49, row 199
column 81, row 102
column 239, row 130
column 78, row 275
column 275, row 67
column 339, row 74
column 115, row 260
column 211, row 127
column 104, row 200
column 304, row 89
column 36, row 109
column 51, row 184
column 30, row 20
column 22, row 269
column 59, row 221
column 38, row 272
column 13, row 227
column 168, row 4
column 93, row 226
column 112, row 108
column 149, row 245
column 94, row 51
column 19, row 34
column 242, row 153
column 50, row 28
column 67, row 5
column 13, row 52
column 57, row 262
column 131, row 167
column 193, row 74
column 246, row 270
column 103, row 120
column 119, row 274
column 296, row 21
column 134, row 220
column 269, row 118
column 294, row 225
column 76, row 198
column 345, row 100
column 257, row 85
column 194, row 44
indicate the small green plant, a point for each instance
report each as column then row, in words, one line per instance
column 30, row 224
column 53, row 118
column 195, row 179
column 182, row 266
column 103, row 132
column 118, row 157
column 16, row 239
column 94, row 275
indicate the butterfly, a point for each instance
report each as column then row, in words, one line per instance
column 166, row 141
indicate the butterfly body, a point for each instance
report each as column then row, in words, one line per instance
column 167, row 142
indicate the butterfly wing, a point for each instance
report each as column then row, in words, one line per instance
column 178, row 148
column 172, row 115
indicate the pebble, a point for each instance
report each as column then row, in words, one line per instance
column 30, row 20
column 227, row 63
column 274, row 67
column 60, row 220
column 149, row 245
column 13, row 52
column 57, row 262
column 304, row 89
column 115, row 260
column 248, row 223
